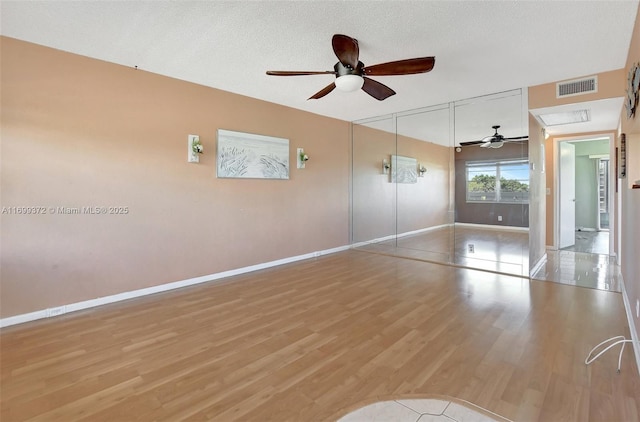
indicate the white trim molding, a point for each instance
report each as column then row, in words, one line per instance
column 538, row 265
column 394, row 236
column 493, row 227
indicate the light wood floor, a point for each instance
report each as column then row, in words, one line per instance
column 314, row 340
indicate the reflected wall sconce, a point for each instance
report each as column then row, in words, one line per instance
column 385, row 166
column 421, row 170
column 302, row 158
column 195, row 148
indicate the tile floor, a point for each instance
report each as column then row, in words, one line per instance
column 420, row 410
column 580, row 269
column 590, row 242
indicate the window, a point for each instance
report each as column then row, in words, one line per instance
column 498, row 181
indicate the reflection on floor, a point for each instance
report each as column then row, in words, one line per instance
column 488, row 248
column 507, row 251
column 580, row 269
column 420, row 410
column 493, row 249
column 590, row 242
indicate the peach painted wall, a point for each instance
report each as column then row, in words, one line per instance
column 550, row 174
column 80, row 132
column 426, row 203
column 382, row 208
column 610, row 84
column 630, row 200
column 374, row 204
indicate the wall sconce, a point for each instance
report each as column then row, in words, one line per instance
column 302, row 158
column 421, row 170
column 385, row 166
column 195, row 148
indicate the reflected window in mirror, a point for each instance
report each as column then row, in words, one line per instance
column 504, row 181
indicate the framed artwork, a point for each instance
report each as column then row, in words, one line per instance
column 404, row 169
column 617, row 164
column 622, row 167
column 632, row 100
column 249, row 156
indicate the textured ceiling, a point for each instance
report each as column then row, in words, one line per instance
column 481, row 47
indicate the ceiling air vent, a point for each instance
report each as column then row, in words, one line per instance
column 577, row 87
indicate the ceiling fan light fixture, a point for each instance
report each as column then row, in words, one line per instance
column 494, row 144
column 349, row 83
column 350, row 71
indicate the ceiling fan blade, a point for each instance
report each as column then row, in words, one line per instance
column 324, row 91
column 401, row 67
column 469, row 143
column 493, row 141
column 296, row 73
column 377, row 90
column 346, row 49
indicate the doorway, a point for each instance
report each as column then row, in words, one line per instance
column 583, row 200
column 603, row 193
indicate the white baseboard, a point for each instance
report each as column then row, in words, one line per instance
column 72, row 307
column 493, row 227
column 539, row 264
column 394, row 236
column 632, row 327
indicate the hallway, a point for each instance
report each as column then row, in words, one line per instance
column 596, row 242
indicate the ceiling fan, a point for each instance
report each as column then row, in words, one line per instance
column 351, row 74
column 493, row 141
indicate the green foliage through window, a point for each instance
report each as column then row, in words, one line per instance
column 498, row 181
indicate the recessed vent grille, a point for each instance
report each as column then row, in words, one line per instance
column 577, row 87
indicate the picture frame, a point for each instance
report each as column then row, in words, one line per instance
column 617, row 164
column 622, row 168
column 404, row 169
column 250, row 156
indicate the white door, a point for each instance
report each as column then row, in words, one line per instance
column 567, row 173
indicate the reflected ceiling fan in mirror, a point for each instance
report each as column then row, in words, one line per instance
column 494, row 141
column 351, row 74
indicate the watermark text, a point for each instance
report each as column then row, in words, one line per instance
column 62, row 210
